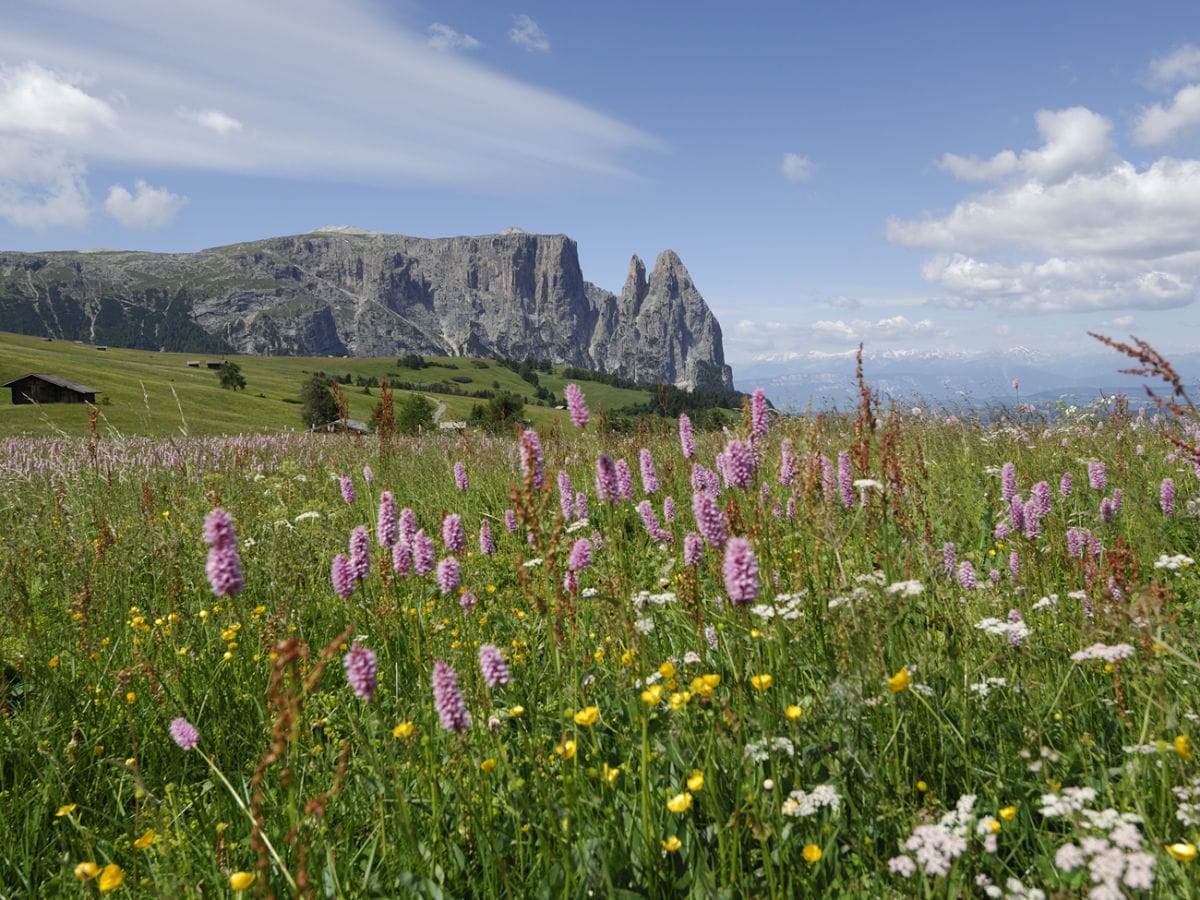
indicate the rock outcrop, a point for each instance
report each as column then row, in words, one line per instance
column 344, row 291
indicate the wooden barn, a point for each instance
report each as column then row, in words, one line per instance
column 49, row 389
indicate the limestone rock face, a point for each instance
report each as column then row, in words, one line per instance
column 343, row 291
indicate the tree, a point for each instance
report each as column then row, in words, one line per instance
column 231, row 376
column 415, row 414
column 500, row 413
column 317, row 404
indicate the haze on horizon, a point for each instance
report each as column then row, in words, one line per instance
column 932, row 178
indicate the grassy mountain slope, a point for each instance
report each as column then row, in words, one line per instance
column 157, row 394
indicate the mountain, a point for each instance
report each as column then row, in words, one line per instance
column 343, row 291
column 957, row 380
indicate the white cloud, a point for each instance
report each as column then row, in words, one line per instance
column 1179, row 65
column 40, row 188
column 37, row 101
column 1160, row 124
column 1074, row 140
column 796, row 167
column 840, row 302
column 146, row 207
column 212, row 119
column 1073, row 229
column 527, row 34
column 443, row 37
column 368, row 102
column 1119, row 322
column 896, row 328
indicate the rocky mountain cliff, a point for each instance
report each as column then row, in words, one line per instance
column 342, row 291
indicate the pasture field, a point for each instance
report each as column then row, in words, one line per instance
column 886, row 654
column 155, row 394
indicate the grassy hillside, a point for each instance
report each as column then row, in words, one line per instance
column 157, row 394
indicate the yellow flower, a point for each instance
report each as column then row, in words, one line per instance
column 667, row 670
column 900, row 681
column 566, row 750
column 755, row 633
column 609, row 773
column 111, row 877
column 515, row 712
column 1183, row 746
column 86, row 870
column 652, row 694
column 130, row 697
column 679, row 699
column 488, row 764
column 994, row 825
column 711, row 681
column 148, row 838
column 680, row 803
column 761, row 682
column 695, row 781
column 922, row 786
column 587, row 716
column 628, row 657
column 240, row 881
column 671, row 844
column 793, row 712
column 811, row 853
column 65, row 810
column 403, row 730
column 54, row 662
column 1183, row 852
column 1008, row 813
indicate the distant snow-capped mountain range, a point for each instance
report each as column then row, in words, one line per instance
column 956, row 379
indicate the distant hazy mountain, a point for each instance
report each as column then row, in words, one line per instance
column 948, row 378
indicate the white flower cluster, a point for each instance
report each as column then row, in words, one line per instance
column 935, row 847
column 857, row 595
column 877, row 578
column 1047, row 601
column 785, row 606
column 641, row 598
column 986, row 686
column 1178, row 561
column 577, row 525
column 1112, row 847
column 1068, row 803
column 1188, row 811
column 906, row 588
column 1108, row 653
column 1015, row 631
column 807, row 803
column 760, row 751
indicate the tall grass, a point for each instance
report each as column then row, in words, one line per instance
column 867, row 725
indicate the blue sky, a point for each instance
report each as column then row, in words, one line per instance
column 914, row 175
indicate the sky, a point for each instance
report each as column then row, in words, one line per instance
column 918, row 176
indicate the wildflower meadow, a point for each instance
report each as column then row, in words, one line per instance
column 892, row 652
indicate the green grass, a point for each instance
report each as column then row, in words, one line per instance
column 157, row 394
column 653, row 740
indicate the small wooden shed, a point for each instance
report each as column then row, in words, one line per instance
column 49, row 389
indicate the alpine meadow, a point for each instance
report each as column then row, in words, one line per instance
column 882, row 652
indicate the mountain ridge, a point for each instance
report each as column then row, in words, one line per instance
column 343, row 291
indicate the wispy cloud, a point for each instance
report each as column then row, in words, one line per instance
column 274, row 92
column 1181, row 64
column 443, row 38
column 212, row 119
column 147, row 207
column 796, row 167
column 528, row 35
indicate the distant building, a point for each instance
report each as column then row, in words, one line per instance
column 49, row 389
column 342, row 425
column 193, row 363
column 214, row 363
